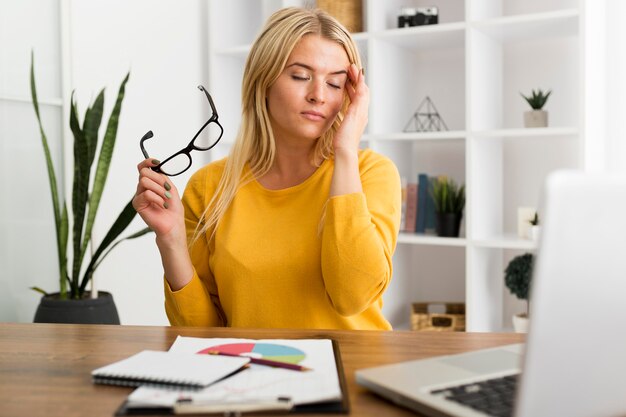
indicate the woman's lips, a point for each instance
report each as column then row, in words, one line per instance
column 313, row 115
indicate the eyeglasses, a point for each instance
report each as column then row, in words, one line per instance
column 181, row 160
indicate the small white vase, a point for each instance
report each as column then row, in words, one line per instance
column 520, row 323
column 533, row 232
column 536, row 118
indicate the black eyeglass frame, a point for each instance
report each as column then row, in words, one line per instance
column 191, row 146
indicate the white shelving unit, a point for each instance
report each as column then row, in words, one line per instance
column 473, row 65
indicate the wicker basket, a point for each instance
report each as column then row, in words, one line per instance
column 348, row 12
column 453, row 320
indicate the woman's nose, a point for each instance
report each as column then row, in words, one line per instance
column 316, row 93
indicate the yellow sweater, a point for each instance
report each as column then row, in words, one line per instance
column 271, row 265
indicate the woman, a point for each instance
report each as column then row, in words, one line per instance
column 297, row 227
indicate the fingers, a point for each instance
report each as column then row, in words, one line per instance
column 153, row 187
column 147, row 163
column 356, row 83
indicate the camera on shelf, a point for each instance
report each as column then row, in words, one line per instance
column 418, row 16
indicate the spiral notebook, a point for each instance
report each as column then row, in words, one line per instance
column 169, row 369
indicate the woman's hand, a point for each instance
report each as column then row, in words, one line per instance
column 158, row 203
column 346, row 177
column 353, row 125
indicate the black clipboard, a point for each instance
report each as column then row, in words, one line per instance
column 328, row 407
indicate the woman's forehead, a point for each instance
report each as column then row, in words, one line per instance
column 320, row 53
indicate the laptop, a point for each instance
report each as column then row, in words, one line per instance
column 574, row 360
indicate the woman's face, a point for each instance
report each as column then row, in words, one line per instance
column 308, row 94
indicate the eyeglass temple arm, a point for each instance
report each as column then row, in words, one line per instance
column 213, row 117
column 208, row 96
column 144, row 138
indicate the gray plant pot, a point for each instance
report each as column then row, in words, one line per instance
column 99, row 310
column 536, row 118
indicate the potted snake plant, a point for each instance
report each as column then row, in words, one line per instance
column 537, row 117
column 449, row 199
column 72, row 303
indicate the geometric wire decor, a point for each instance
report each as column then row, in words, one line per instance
column 426, row 118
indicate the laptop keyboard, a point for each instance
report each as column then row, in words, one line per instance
column 493, row 397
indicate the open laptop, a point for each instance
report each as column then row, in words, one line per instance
column 574, row 362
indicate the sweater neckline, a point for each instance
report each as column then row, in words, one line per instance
column 316, row 174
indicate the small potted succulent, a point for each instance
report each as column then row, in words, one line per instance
column 536, row 117
column 449, row 199
column 517, row 278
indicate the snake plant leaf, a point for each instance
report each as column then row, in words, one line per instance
column 104, row 161
column 51, row 176
column 80, row 190
column 91, row 125
column 121, row 223
column 64, row 228
column 39, row 290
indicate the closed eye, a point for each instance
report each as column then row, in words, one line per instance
column 300, row 77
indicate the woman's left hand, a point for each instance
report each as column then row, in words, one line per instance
column 353, row 125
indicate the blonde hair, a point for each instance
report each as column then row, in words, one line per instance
column 254, row 144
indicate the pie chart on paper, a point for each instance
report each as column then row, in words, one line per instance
column 269, row 351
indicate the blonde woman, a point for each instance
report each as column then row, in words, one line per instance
column 296, row 228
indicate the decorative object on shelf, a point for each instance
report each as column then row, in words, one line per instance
column 85, row 204
column 418, row 16
column 348, row 12
column 426, row 118
column 517, row 278
column 524, row 217
column 536, row 117
column 449, row 199
column 438, row 317
column 533, row 230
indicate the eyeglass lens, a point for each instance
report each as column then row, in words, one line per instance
column 209, row 136
column 176, row 164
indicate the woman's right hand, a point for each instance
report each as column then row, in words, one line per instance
column 158, row 203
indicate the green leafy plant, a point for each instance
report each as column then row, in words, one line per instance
column 518, row 276
column 448, row 196
column 85, row 201
column 535, row 220
column 537, row 99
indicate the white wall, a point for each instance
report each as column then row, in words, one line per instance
column 27, row 243
column 163, row 44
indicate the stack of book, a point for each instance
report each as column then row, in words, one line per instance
column 418, row 207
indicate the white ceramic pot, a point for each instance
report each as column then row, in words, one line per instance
column 533, row 232
column 536, row 118
column 520, row 323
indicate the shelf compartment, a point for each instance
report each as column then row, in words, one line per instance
column 405, row 77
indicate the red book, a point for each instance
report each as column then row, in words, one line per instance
column 411, row 207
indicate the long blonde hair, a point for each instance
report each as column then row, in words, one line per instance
column 255, row 143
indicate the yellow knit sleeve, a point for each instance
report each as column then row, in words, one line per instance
column 196, row 304
column 359, row 238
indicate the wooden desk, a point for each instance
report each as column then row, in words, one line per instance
column 45, row 368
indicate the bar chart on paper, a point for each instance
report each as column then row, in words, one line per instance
column 270, row 351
